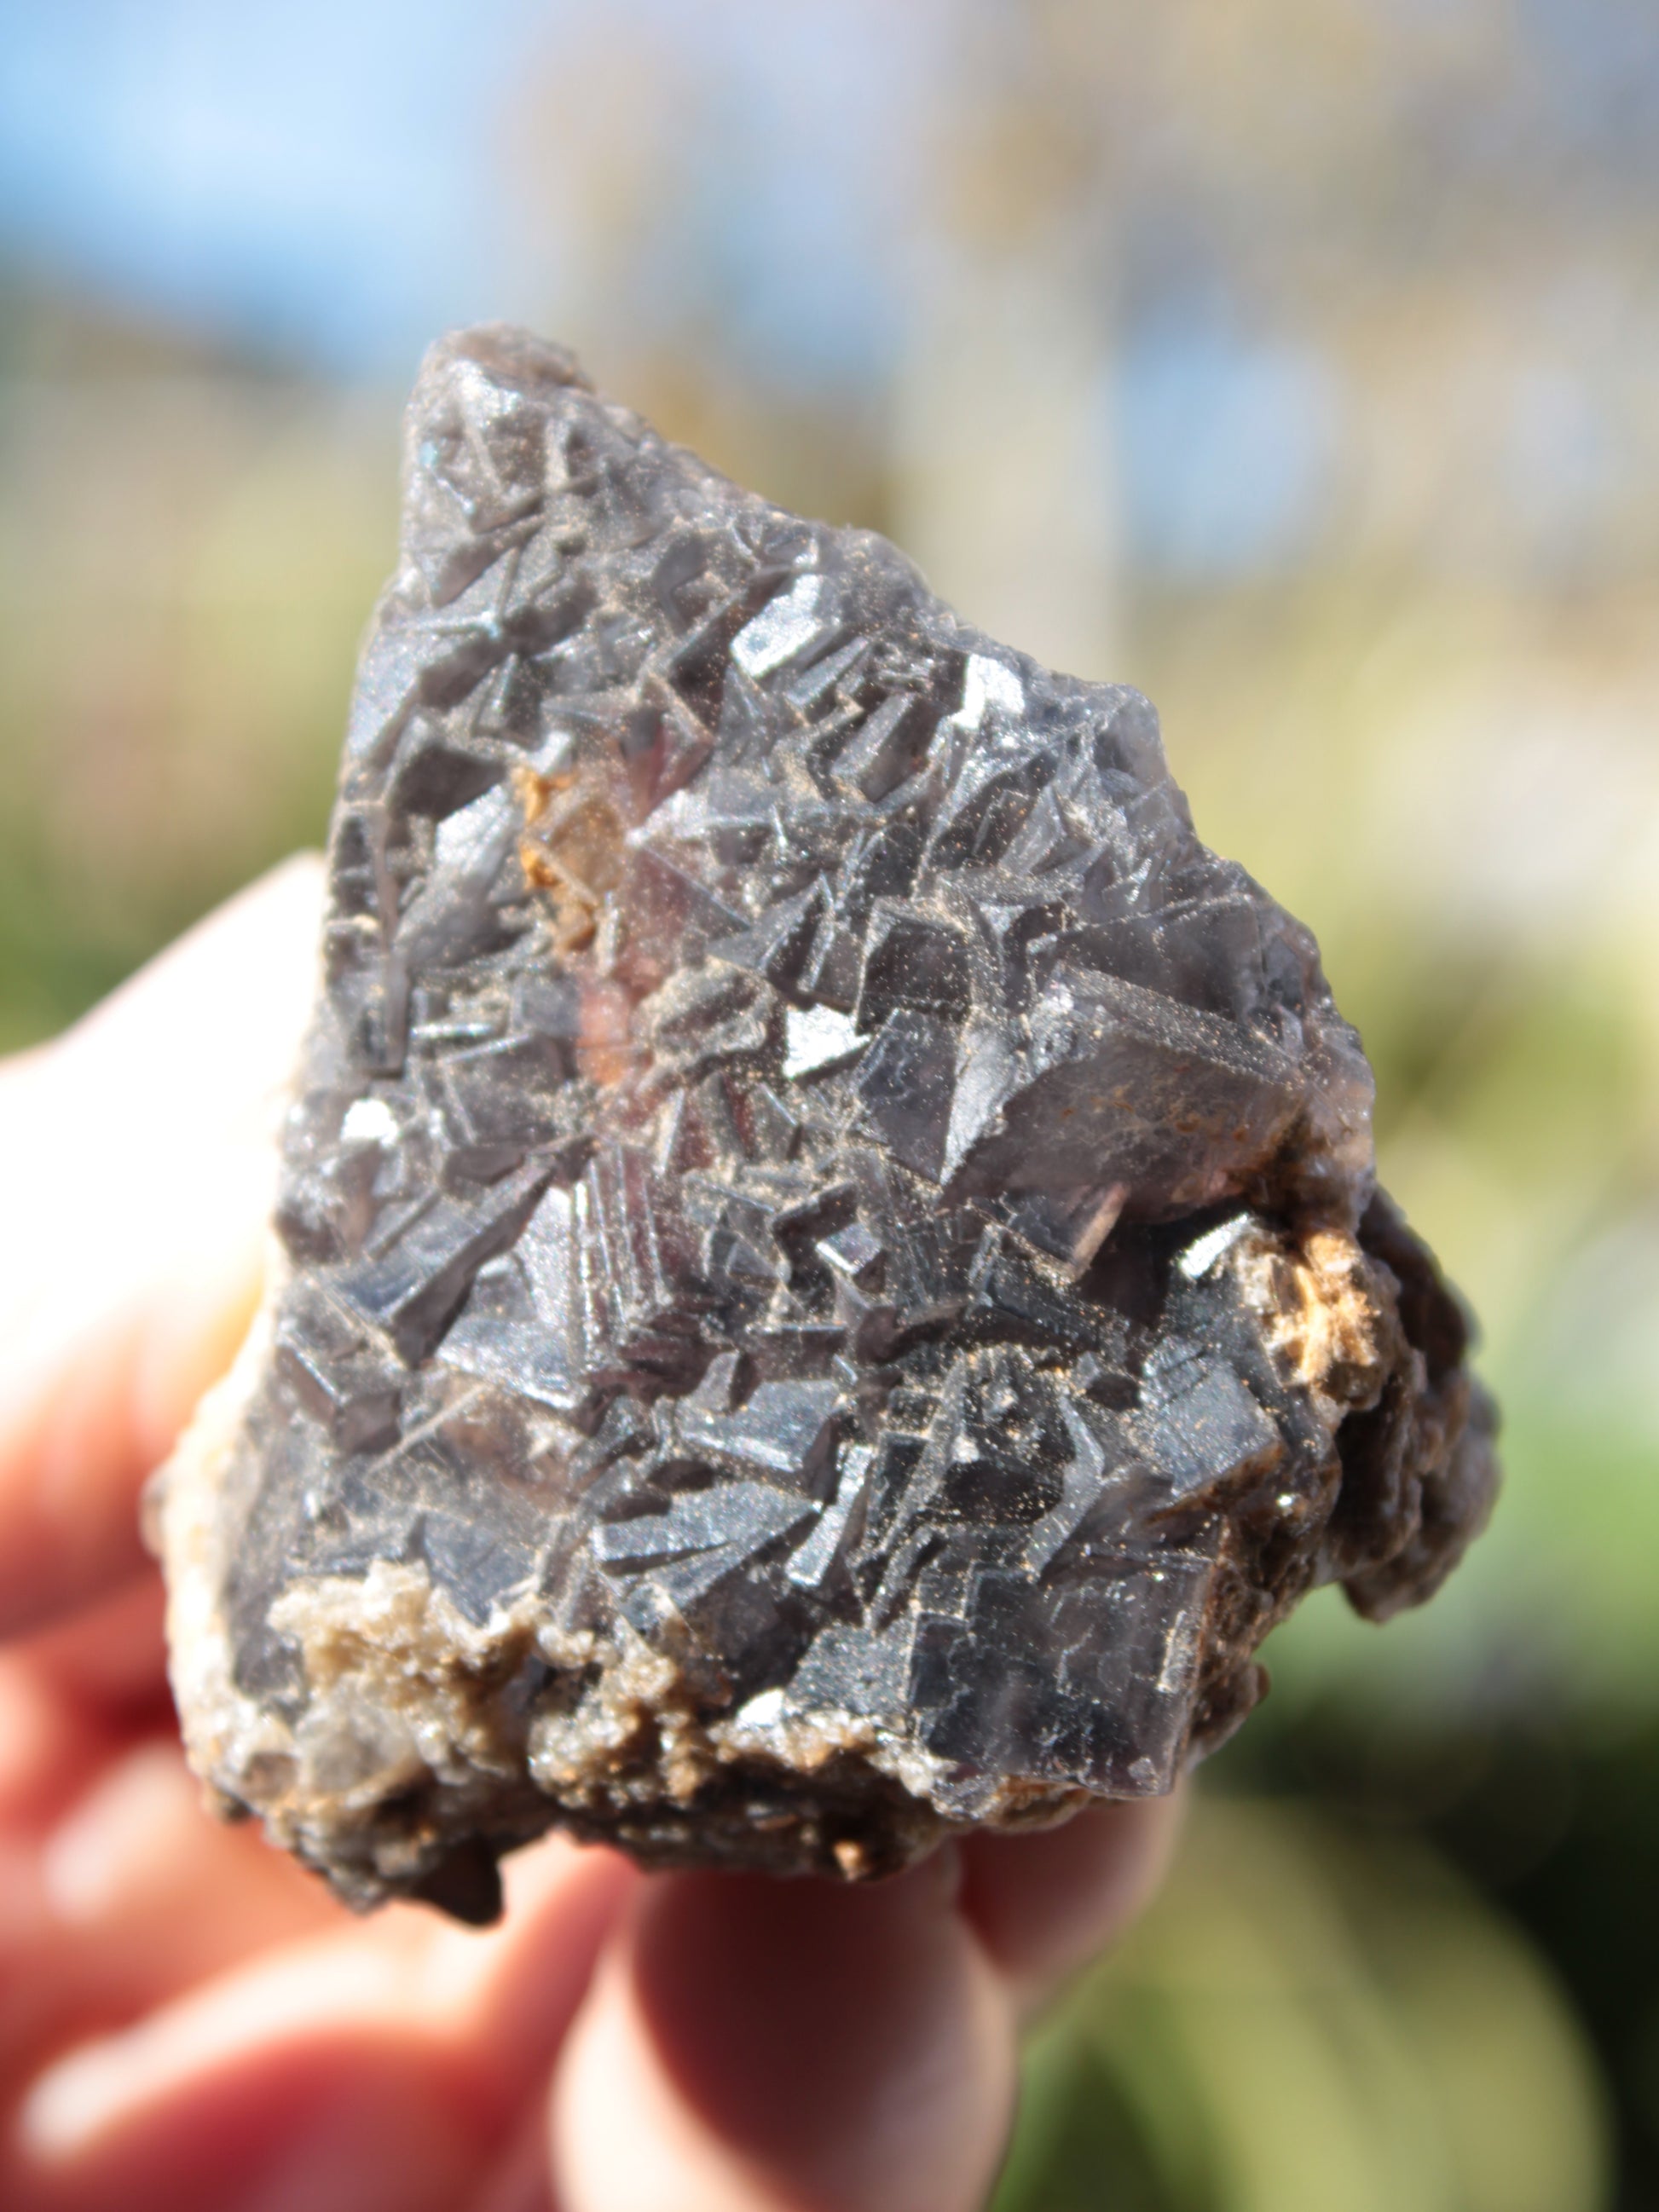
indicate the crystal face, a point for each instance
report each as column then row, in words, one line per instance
column 832, row 1286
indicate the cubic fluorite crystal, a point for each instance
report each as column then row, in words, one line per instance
column 831, row 1287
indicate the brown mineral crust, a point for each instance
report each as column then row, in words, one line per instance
column 830, row 1284
column 1369, row 1326
column 1421, row 1464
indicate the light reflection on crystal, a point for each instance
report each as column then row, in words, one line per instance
column 819, row 1216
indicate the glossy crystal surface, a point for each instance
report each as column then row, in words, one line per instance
column 832, row 1282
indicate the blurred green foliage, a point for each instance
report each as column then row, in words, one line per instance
column 187, row 557
column 1308, row 2020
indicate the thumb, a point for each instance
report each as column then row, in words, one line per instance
column 141, row 1171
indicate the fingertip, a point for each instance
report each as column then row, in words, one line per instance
column 752, row 2044
column 247, row 967
column 1043, row 1904
column 562, row 1901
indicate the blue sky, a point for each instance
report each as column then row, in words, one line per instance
column 313, row 177
column 331, row 181
column 326, row 177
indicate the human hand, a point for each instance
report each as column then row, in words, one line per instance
column 188, row 2023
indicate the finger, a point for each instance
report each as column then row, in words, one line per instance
column 48, row 1748
column 110, row 1657
column 518, row 2180
column 141, row 1167
column 358, row 2117
column 752, row 2046
column 75, row 1695
column 127, row 1899
column 1042, row 1905
column 376, row 2070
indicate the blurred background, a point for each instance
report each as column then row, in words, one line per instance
column 1295, row 360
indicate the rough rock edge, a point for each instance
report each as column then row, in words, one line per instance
column 390, row 1643
column 1367, row 1330
column 1370, row 1335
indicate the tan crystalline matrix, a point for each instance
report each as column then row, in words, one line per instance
column 831, row 1286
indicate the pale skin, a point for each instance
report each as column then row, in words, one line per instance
column 188, row 2023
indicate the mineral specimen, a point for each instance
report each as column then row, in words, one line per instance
column 831, row 1284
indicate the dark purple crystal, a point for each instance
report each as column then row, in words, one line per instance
column 834, row 1287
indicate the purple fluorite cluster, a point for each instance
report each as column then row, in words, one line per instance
column 832, row 1285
